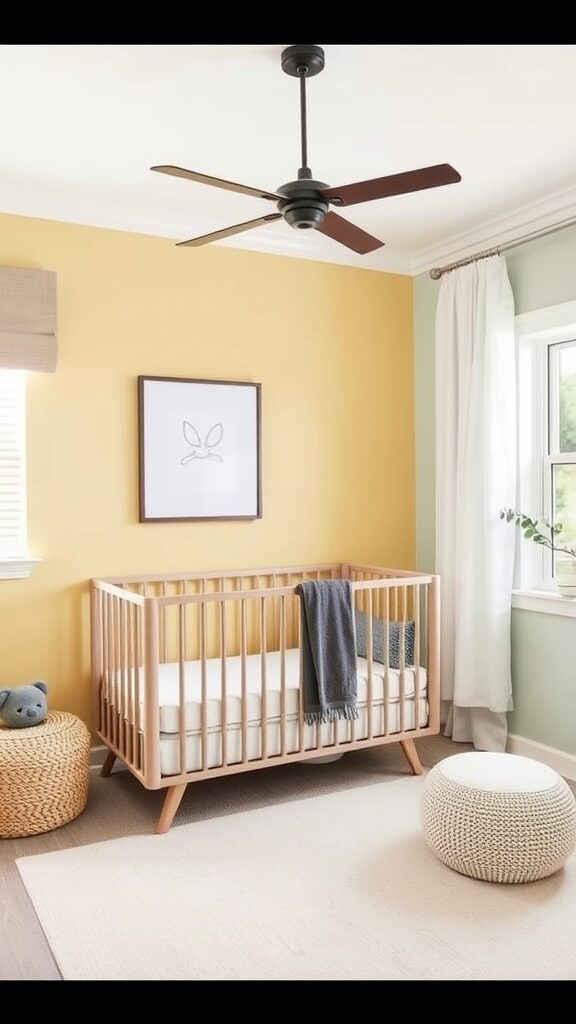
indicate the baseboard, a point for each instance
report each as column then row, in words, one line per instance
column 559, row 760
column 98, row 756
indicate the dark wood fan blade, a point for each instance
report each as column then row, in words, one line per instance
column 348, row 234
column 235, row 230
column 205, row 179
column 392, row 185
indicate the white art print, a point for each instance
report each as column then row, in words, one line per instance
column 199, row 449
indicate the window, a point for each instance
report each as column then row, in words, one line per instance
column 14, row 560
column 547, row 437
column 27, row 342
column 12, row 464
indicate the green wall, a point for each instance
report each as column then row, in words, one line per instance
column 542, row 273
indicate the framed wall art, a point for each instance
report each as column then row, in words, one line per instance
column 199, row 449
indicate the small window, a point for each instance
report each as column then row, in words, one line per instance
column 13, row 534
column 547, row 437
column 560, row 462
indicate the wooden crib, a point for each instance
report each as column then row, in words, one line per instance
column 196, row 675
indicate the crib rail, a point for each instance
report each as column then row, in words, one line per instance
column 216, row 633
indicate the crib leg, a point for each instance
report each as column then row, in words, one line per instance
column 171, row 804
column 411, row 755
column 108, row 764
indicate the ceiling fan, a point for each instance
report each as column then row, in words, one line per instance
column 304, row 203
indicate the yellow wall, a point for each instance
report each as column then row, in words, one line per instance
column 332, row 347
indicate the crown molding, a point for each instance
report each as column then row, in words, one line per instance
column 306, row 245
column 497, row 231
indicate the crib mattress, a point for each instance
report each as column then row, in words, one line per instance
column 168, row 689
column 168, row 699
column 170, row 746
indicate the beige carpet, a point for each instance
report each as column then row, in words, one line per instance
column 338, row 886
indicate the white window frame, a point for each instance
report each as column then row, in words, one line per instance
column 536, row 332
column 15, row 562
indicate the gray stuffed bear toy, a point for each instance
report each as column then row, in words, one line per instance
column 24, row 705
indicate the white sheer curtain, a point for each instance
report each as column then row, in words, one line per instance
column 475, row 478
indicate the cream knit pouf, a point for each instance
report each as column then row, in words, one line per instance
column 498, row 817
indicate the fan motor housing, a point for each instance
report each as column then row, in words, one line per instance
column 303, row 206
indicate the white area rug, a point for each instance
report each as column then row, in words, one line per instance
column 340, row 886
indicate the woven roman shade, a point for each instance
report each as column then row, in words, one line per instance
column 28, row 319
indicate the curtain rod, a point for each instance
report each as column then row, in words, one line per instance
column 437, row 272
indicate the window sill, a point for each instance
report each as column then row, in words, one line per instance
column 17, row 568
column 546, row 601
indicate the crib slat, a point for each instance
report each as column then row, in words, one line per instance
column 317, row 725
column 433, row 662
column 123, row 681
column 357, row 605
column 127, row 678
column 204, row 693
column 416, row 610
column 130, row 711
column 370, row 653
column 182, row 688
column 300, row 698
column 100, row 665
column 263, row 681
column 291, row 602
column 139, row 683
column 107, row 662
column 243, row 681
column 103, row 658
column 402, row 658
column 223, row 682
column 163, row 613
column 386, row 662
column 274, row 640
column 336, row 574
column 117, row 673
column 185, row 606
column 282, row 676
column 110, row 669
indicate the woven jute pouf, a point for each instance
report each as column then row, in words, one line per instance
column 43, row 775
column 498, row 817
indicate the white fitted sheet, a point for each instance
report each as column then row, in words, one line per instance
column 168, row 689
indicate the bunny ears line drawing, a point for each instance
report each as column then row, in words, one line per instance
column 202, row 449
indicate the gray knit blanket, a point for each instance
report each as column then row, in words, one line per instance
column 328, row 650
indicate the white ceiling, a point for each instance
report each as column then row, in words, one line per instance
column 80, row 125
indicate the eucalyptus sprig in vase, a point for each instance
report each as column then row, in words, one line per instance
column 547, row 535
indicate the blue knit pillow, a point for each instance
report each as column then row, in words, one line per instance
column 394, row 640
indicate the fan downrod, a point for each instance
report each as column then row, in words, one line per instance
column 304, row 60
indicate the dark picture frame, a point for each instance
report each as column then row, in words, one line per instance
column 199, row 449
